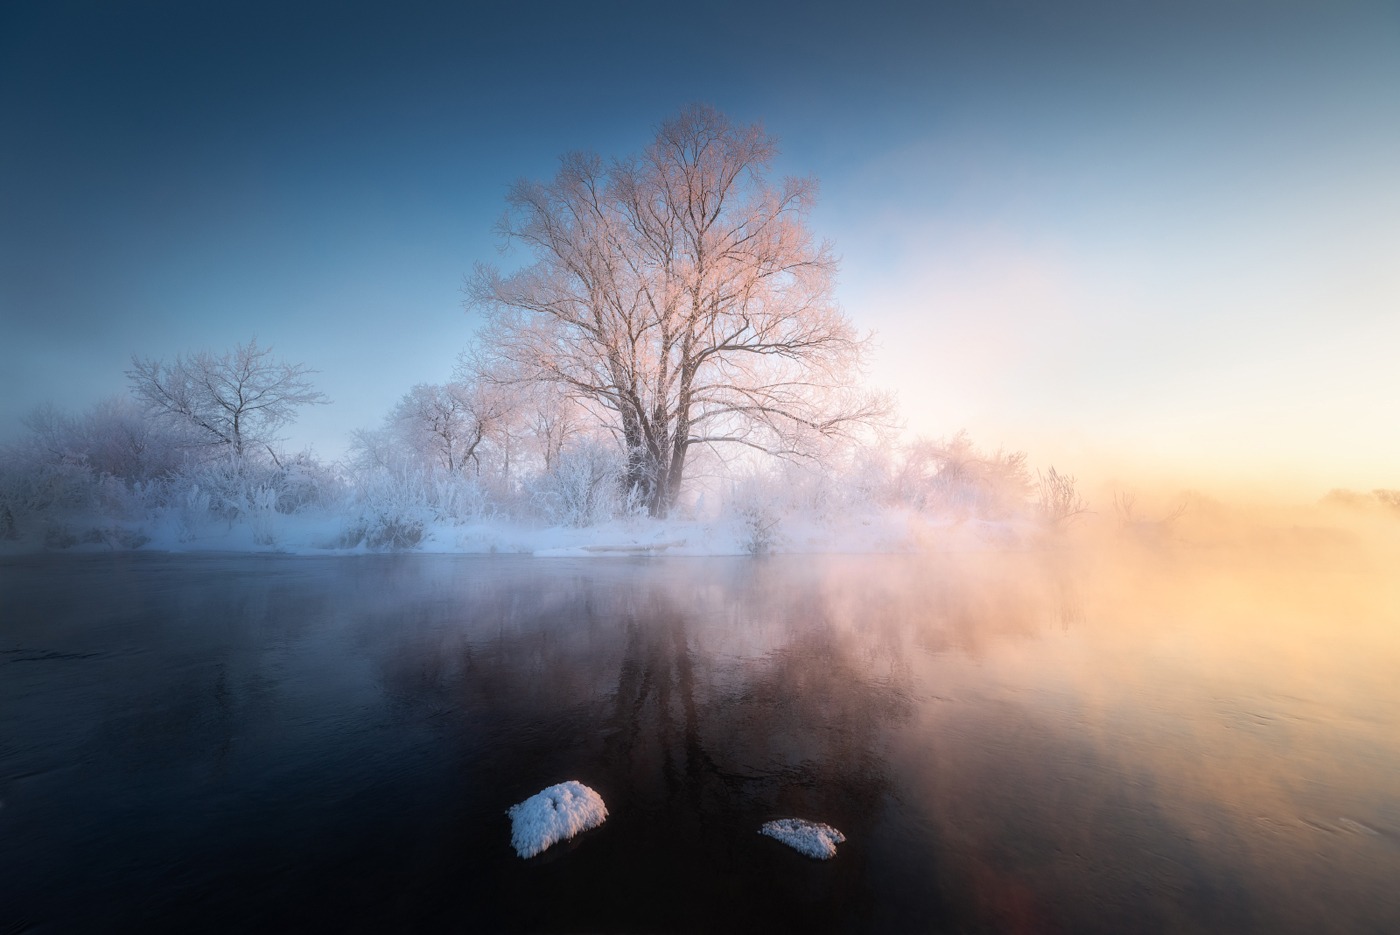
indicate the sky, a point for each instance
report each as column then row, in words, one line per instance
column 1148, row 239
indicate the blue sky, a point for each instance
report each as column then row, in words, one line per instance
column 1129, row 237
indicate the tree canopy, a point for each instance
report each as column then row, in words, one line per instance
column 683, row 295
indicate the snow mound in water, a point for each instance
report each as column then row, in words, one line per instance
column 810, row 837
column 556, row 814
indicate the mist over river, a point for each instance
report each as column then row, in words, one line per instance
column 1112, row 739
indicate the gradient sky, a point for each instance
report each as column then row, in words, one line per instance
column 1152, row 238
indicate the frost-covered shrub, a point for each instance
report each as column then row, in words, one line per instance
column 1058, row 500
column 759, row 528
column 304, row 483
column 945, row 477
column 391, row 506
column 755, row 505
column 812, row 838
column 113, row 437
column 252, row 491
column 260, row 511
column 460, row 499
column 389, row 509
column 64, row 485
column 38, row 497
column 383, row 530
column 191, row 512
column 59, row 536
column 231, row 487
column 813, row 490
column 583, row 486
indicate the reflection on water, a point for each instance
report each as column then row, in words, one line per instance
column 1053, row 742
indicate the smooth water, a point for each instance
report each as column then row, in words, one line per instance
column 1050, row 742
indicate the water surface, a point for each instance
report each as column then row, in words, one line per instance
column 1051, row 742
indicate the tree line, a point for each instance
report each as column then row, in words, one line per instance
column 677, row 299
column 674, row 305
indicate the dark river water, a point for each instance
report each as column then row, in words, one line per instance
column 1010, row 743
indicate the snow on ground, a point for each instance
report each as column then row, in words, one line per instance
column 810, row 837
column 322, row 533
column 556, row 814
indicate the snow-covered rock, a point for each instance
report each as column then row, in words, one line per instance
column 556, row 814
column 810, row 837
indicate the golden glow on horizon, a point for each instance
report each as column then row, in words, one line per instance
column 1266, row 381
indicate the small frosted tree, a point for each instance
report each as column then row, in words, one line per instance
column 681, row 294
column 235, row 401
column 447, row 423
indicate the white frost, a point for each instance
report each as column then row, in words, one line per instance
column 810, row 837
column 556, row 814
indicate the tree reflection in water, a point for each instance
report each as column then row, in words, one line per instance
column 1045, row 742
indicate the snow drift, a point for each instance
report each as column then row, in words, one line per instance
column 556, row 814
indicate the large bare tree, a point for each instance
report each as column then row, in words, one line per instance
column 234, row 401
column 681, row 291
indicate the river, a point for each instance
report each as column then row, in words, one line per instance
column 1075, row 741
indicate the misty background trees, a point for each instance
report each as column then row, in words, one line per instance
column 671, row 348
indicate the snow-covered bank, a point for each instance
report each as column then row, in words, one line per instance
column 892, row 530
column 925, row 497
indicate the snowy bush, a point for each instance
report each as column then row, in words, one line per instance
column 759, row 528
column 460, row 499
column 192, row 512
column 583, row 486
column 42, row 499
column 384, row 530
column 27, row 491
column 388, row 511
column 953, row 477
column 113, row 438
column 304, row 483
column 390, row 507
column 1058, row 500
column 754, row 505
column 261, row 510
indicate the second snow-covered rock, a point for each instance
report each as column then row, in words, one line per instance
column 810, row 837
column 556, row 814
